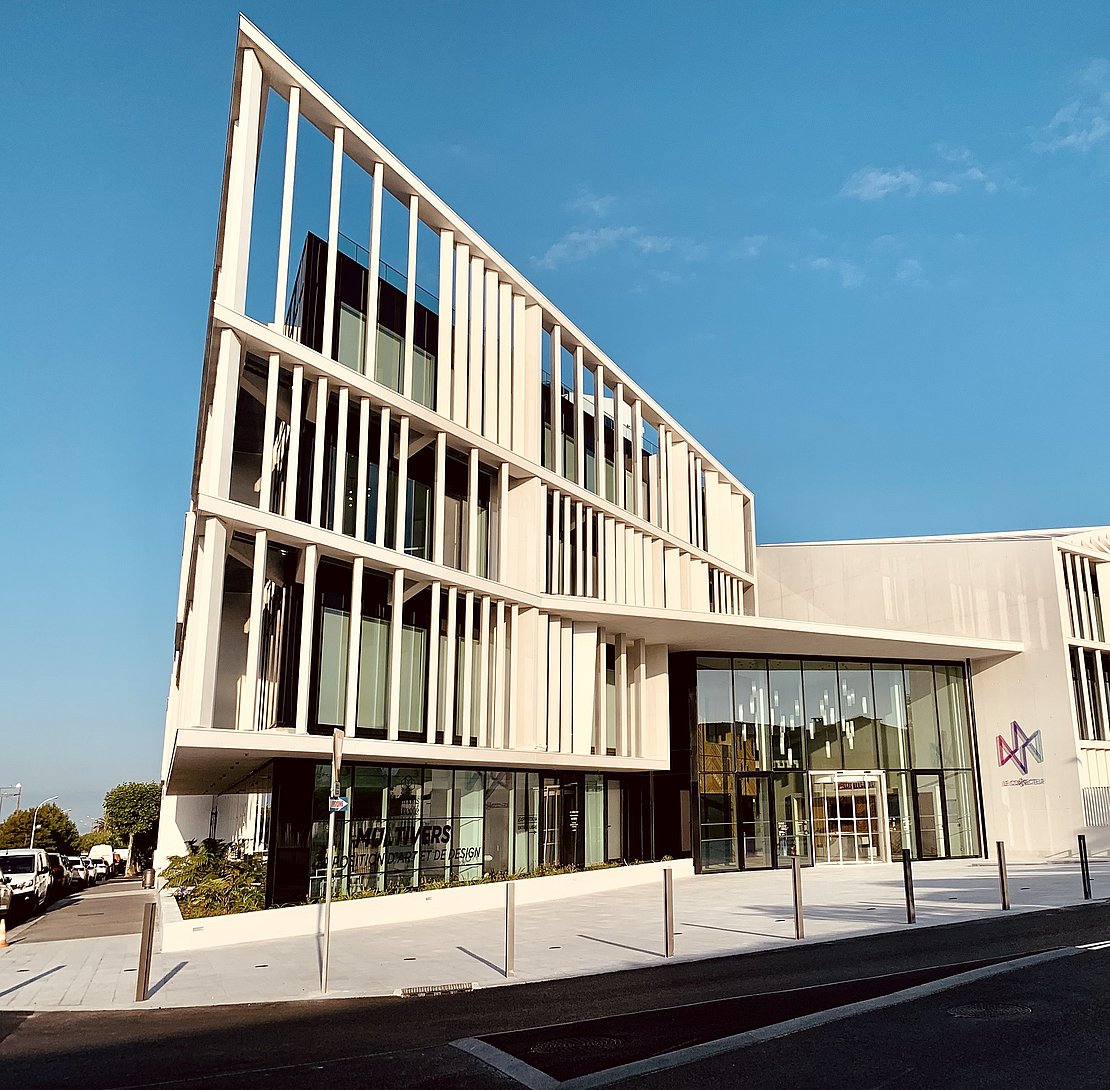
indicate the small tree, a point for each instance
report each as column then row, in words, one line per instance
column 54, row 831
column 130, row 810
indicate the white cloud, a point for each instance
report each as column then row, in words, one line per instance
column 851, row 275
column 909, row 270
column 581, row 244
column 751, row 246
column 592, row 203
column 874, row 183
column 1084, row 121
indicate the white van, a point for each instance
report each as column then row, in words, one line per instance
column 29, row 875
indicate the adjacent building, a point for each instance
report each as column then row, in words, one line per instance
column 428, row 512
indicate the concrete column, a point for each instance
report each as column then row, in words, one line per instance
column 483, row 730
column 208, row 603
column 246, row 133
column 432, row 701
column 474, row 377
column 472, row 515
column 370, row 356
column 449, row 687
column 248, row 701
column 556, row 394
column 363, row 467
column 282, row 287
column 339, row 485
column 402, row 486
column 490, row 408
column 466, row 726
column 599, row 431
column 579, row 420
column 439, row 498
column 266, row 484
column 498, row 735
column 460, row 398
column 316, row 516
column 383, row 478
column 446, row 324
column 293, row 468
column 618, row 444
column 308, row 614
column 638, row 457
column 396, row 601
column 333, row 245
column 410, row 296
column 504, row 434
column 219, row 431
column 502, row 523
column 515, row 642
column 354, row 648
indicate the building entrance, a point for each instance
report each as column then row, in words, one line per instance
column 849, row 817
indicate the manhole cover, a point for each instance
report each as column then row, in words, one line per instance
column 989, row 1010
column 575, row 1045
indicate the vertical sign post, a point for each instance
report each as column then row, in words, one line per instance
column 336, row 803
column 799, row 922
column 1003, row 881
column 668, row 913
column 1085, row 867
column 907, row 879
column 510, row 928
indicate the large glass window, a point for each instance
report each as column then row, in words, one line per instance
column 924, row 735
column 715, row 714
column 718, row 822
column 955, row 738
column 749, row 681
column 822, row 715
column 890, row 718
column 785, row 683
column 960, row 822
column 373, row 669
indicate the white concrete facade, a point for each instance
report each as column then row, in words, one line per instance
column 1039, row 588
column 448, row 525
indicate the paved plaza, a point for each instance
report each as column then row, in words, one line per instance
column 715, row 915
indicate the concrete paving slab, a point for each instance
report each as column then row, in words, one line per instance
column 715, row 915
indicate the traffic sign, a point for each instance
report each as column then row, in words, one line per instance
column 337, row 804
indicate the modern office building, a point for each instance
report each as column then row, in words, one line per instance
column 429, row 512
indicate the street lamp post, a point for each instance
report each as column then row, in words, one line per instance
column 35, row 817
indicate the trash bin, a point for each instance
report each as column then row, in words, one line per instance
column 148, row 878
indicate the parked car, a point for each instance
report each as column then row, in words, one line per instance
column 29, row 873
column 59, row 873
column 90, row 866
column 101, row 868
column 78, row 872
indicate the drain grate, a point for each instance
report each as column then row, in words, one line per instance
column 575, row 1046
column 437, row 989
column 989, row 1010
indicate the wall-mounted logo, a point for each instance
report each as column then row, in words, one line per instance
column 1020, row 748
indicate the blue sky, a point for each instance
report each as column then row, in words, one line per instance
column 860, row 250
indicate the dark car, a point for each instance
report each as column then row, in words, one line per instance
column 59, row 873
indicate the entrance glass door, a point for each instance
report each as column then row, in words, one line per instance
column 849, row 817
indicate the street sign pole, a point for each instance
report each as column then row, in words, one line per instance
column 336, row 789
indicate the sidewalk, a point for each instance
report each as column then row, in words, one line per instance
column 714, row 915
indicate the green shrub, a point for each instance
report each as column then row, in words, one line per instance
column 209, row 882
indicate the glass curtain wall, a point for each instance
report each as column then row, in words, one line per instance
column 763, row 726
column 412, row 826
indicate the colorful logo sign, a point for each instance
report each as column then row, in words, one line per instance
column 1019, row 748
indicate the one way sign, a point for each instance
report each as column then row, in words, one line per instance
column 337, row 804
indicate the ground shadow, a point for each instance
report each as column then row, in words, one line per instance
column 485, row 961
column 30, row 980
column 166, row 979
column 737, row 931
column 623, row 946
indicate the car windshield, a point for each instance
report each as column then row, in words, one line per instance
column 17, row 864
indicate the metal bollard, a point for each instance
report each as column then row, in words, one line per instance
column 668, row 913
column 1003, row 881
column 146, row 948
column 1085, row 867
column 510, row 928
column 907, row 880
column 799, row 922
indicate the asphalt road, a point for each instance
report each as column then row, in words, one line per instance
column 112, row 907
column 406, row 1042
